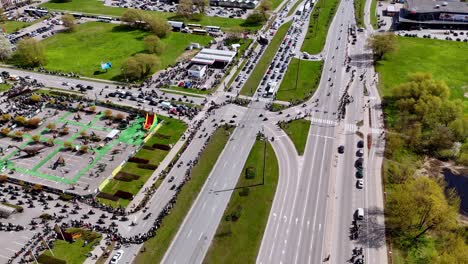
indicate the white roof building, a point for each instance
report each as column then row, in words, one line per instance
column 210, row 56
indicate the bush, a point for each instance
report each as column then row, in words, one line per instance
column 20, row 120
column 46, row 259
column 244, row 192
column 138, row 160
column 18, row 208
column 148, row 166
column 5, row 131
column 34, row 122
column 65, row 197
column 45, row 216
column 250, row 172
column 254, row 19
column 3, row 178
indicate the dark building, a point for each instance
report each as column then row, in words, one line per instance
column 433, row 14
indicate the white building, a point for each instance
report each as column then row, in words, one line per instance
column 212, row 56
column 197, row 71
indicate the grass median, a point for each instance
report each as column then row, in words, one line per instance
column 359, row 6
column 300, row 81
column 95, row 7
column 320, row 20
column 240, row 232
column 256, row 76
column 297, row 130
column 13, row 26
column 156, row 247
column 373, row 14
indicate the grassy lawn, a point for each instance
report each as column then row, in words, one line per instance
column 373, row 14
column 359, row 12
column 256, row 76
column 74, row 253
column 157, row 246
column 276, row 3
column 307, row 74
column 94, row 42
column 189, row 90
column 4, row 87
column 13, row 26
column 320, row 19
column 298, row 130
column 168, row 134
column 97, row 7
column 238, row 240
column 439, row 57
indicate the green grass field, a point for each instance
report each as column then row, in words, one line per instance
column 13, row 26
column 169, row 133
column 307, row 74
column 4, row 87
column 359, row 6
column 256, row 76
column 238, row 241
column 293, row 8
column 373, row 14
column 441, row 58
column 74, row 253
column 316, row 35
column 97, row 7
column 298, row 130
column 276, row 3
column 94, row 42
column 157, row 246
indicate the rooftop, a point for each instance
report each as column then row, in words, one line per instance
column 426, row 6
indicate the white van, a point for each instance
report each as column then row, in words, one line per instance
column 360, row 214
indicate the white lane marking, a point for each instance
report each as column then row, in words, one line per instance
column 189, row 233
column 10, row 250
column 17, row 243
column 4, row 257
column 203, row 206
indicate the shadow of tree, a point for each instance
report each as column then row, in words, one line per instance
column 372, row 233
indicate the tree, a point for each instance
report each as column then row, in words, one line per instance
column 36, row 138
column 139, row 66
column 34, row 122
column 133, row 17
column 264, row 7
column 107, row 113
column 147, row 63
column 36, row 98
column 417, row 206
column 158, row 26
column 29, row 53
column 382, row 44
column 254, row 19
column 184, row 9
column 21, row 120
column 6, row 49
column 51, row 126
column 69, row 22
column 153, row 44
column 201, row 5
column 119, row 117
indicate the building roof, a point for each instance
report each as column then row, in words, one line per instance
column 210, row 56
column 197, row 67
column 427, row 6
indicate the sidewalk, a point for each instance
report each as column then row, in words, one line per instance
column 96, row 251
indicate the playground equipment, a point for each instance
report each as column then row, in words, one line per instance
column 150, row 120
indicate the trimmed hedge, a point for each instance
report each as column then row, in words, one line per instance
column 161, row 146
column 123, row 195
column 107, row 196
column 148, row 147
column 162, row 136
column 46, row 259
column 138, row 160
column 127, row 177
column 148, row 166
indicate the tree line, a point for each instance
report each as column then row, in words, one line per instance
column 422, row 121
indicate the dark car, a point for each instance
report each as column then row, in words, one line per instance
column 359, row 174
column 358, row 163
column 360, row 144
column 341, row 149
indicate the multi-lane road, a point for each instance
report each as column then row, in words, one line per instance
column 316, row 195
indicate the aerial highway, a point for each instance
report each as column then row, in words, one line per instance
column 317, row 195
